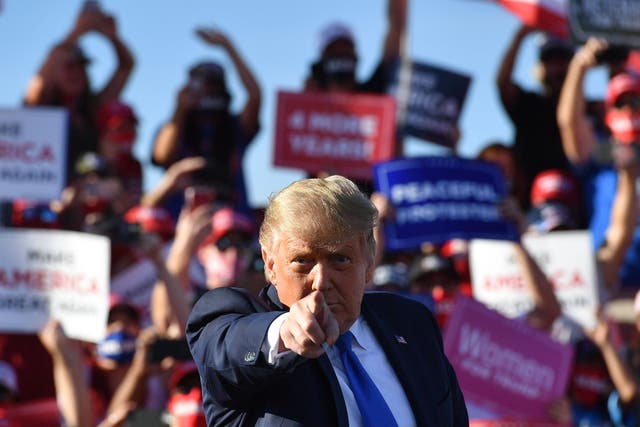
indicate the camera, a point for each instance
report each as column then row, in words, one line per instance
column 613, row 54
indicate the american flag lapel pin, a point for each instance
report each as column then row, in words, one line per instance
column 400, row 339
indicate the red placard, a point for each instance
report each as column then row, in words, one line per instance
column 337, row 133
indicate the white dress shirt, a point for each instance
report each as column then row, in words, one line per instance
column 372, row 357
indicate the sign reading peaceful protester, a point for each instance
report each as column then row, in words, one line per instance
column 505, row 365
column 335, row 133
column 617, row 21
column 33, row 143
column 54, row 274
column 439, row 198
column 565, row 257
column 433, row 103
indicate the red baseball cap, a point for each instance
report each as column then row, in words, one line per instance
column 225, row 220
column 621, row 84
column 152, row 219
column 554, row 184
column 112, row 113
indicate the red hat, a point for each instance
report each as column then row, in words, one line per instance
column 621, row 84
column 554, row 184
column 112, row 113
column 225, row 220
column 180, row 371
column 152, row 219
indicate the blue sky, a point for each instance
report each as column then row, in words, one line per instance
column 278, row 40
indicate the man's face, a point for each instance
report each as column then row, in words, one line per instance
column 296, row 267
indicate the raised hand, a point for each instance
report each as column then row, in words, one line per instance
column 310, row 324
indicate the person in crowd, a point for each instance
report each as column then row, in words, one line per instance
column 390, row 277
column 537, row 145
column 185, row 402
column 503, row 156
column 220, row 245
column 286, row 359
column 62, row 80
column 335, row 68
column 594, row 142
column 117, row 130
column 203, row 124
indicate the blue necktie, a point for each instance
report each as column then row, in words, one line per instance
column 373, row 408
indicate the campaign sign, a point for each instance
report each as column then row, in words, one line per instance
column 433, row 103
column 338, row 133
column 504, row 365
column 33, row 145
column 617, row 21
column 54, row 274
column 565, row 257
column 439, row 198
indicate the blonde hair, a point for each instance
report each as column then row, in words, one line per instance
column 326, row 211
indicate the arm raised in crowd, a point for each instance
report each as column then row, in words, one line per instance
column 126, row 62
column 170, row 305
column 397, row 24
column 624, row 211
column 250, row 114
column 546, row 307
column 72, row 391
column 176, row 178
column 576, row 131
column 506, row 86
column 621, row 375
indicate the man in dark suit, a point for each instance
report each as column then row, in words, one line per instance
column 272, row 361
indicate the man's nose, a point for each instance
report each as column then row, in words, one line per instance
column 321, row 280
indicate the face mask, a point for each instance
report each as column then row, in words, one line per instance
column 223, row 268
column 213, row 103
column 186, row 409
column 339, row 69
column 624, row 125
column 118, row 346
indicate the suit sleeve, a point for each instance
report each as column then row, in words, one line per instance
column 226, row 332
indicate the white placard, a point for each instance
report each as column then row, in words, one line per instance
column 33, row 147
column 54, row 274
column 567, row 259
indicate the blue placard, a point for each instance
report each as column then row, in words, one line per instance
column 434, row 102
column 440, row 198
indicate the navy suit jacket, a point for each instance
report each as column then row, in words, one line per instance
column 227, row 331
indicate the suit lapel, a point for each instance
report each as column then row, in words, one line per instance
column 329, row 373
column 390, row 341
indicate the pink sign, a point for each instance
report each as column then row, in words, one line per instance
column 505, row 365
column 336, row 133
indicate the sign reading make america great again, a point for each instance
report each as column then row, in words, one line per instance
column 335, row 133
column 439, row 198
column 33, row 143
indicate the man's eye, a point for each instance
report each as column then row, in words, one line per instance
column 340, row 259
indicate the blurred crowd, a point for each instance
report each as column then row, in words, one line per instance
column 572, row 165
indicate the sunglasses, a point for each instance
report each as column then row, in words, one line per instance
column 226, row 242
column 632, row 102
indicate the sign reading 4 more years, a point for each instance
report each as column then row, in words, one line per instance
column 335, row 133
column 33, row 143
column 439, row 198
column 617, row 21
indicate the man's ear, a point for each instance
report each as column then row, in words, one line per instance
column 269, row 270
column 368, row 274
